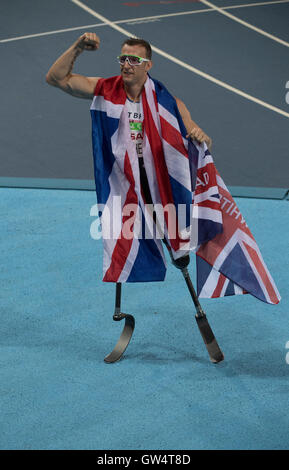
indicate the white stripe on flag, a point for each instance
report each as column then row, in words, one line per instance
column 221, row 183
column 178, row 165
column 238, row 290
column 172, row 120
column 150, row 88
column 238, row 238
column 204, row 159
column 235, row 239
column 111, row 109
column 207, row 213
column 210, row 284
column 255, row 271
column 129, row 261
column 169, row 117
column 109, row 223
column 224, row 288
column 207, row 195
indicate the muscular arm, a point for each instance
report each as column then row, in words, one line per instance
column 60, row 74
column 193, row 130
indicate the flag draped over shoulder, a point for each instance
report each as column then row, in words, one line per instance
column 165, row 154
column 198, row 212
column 230, row 263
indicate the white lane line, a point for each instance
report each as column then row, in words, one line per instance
column 183, row 64
column 244, row 23
column 257, row 4
column 129, row 20
column 57, row 31
column 140, row 19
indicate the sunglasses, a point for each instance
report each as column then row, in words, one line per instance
column 132, row 59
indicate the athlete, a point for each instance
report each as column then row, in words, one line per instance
column 135, row 63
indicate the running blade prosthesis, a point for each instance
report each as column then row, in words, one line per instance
column 127, row 331
column 215, row 353
column 208, row 336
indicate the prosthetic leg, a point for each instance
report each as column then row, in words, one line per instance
column 127, row 331
column 211, row 344
column 210, row 341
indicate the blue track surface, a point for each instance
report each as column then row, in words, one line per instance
column 56, row 328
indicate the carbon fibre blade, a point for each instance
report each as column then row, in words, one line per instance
column 215, row 353
column 124, row 339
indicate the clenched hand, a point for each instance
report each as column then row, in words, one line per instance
column 88, row 42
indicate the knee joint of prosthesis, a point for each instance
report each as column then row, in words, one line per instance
column 182, row 262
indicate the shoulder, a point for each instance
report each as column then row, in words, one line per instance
column 181, row 105
column 111, row 89
column 105, row 84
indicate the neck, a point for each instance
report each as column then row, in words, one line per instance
column 134, row 91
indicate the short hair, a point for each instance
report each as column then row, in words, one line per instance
column 139, row 42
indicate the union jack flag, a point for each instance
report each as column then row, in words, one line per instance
column 165, row 154
column 180, row 174
column 229, row 263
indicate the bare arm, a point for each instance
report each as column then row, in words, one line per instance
column 60, row 74
column 193, row 130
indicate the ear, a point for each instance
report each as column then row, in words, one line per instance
column 148, row 65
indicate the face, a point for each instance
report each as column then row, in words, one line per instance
column 134, row 74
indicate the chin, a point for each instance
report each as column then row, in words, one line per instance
column 127, row 77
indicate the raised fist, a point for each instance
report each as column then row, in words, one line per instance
column 88, row 42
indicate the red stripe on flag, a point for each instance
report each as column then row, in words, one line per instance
column 162, row 174
column 111, row 89
column 206, row 178
column 210, row 204
column 262, row 271
column 219, row 286
column 156, row 100
column 123, row 245
column 173, row 137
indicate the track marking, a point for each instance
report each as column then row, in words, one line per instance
column 144, row 18
column 47, row 33
column 257, row 4
column 181, row 63
column 156, row 2
column 244, row 23
column 113, row 25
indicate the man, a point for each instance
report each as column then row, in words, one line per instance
column 60, row 75
column 135, row 63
